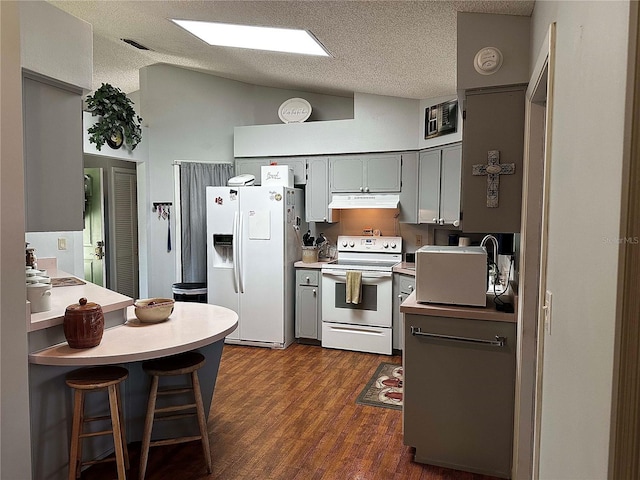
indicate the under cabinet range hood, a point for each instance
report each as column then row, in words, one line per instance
column 364, row 200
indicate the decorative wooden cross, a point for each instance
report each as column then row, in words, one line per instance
column 493, row 170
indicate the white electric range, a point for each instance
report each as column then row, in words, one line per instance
column 365, row 326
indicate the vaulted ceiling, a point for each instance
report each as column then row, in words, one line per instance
column 397, row 48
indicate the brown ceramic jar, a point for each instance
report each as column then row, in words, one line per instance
column 83, row 324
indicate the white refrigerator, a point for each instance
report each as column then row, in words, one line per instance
column 253, row 240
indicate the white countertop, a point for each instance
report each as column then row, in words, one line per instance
column 191, row 325
column 411, row 306
column 62, row 297
column 314, row 265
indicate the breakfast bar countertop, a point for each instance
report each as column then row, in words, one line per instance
column 191, row 325
column 63, row 296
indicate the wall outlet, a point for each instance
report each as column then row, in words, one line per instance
column 418, row 240
column 62, row 243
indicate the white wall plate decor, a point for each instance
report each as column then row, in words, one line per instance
column 294, row 110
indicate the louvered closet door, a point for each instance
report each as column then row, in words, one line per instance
column 124, row 232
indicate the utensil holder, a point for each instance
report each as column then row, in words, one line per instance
column 309, row 254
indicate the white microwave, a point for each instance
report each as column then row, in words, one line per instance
column 452, row 275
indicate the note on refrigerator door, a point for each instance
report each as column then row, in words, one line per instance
column 259, row 225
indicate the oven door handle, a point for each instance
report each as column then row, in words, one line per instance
column 343, row 273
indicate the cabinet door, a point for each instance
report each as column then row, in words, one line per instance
column 409, row 189
column 54, row 173
column 383, row 173
column 346, row 174
column 252, row 166
column 299, row 167
column 429, row 186
column 494, row 120
column 450, row 177
column 317, row 190
column 307, row 304
column 447, row 383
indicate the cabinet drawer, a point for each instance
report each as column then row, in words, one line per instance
column 307, row 277
column 357, row 337
column 407, row 284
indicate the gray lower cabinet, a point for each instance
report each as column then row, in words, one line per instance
column 308, row 304
column 403, row 285
column 458, row 394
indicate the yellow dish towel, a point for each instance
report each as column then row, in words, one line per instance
column 354, row 281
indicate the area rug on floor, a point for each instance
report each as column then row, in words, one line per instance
column 385, row 387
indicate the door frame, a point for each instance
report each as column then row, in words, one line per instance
column 624, row 459
column 533, row 254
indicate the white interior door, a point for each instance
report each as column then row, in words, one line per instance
column 94, row 232
column 123, row 235
column 533, row 264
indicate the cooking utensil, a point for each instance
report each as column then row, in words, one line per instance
column 168, row 230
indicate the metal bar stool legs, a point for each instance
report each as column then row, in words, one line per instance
column 184, row 364
column 94, row 379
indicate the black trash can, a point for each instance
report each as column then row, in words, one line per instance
column 190, row 292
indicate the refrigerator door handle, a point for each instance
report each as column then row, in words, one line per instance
column 234, row 246
column 241, row 246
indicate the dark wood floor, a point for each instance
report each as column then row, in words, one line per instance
column 291, row 415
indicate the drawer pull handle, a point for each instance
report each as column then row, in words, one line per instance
column 498, row 342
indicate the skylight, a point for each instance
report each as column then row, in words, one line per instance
column 257, row 38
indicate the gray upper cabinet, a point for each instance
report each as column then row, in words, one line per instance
column 409, row 192
column 378, row 173
column 254, row 166
column 317, row 190
column 494, row 120
column 251, row 166
column 54, row 173
column 439, row 182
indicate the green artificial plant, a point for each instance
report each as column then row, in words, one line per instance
column 118, row 120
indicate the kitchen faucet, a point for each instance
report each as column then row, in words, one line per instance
column 496, row 274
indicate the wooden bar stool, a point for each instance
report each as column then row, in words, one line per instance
column 94, row 379
column 182, row 364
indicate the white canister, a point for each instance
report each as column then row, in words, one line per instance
column 38, row 279
column 39, row 294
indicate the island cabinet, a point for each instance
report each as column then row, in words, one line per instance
column 370, row 173
column 254, row 166
column 126, row 342
column 459, row 386
column 439, row 181
column 308, row 304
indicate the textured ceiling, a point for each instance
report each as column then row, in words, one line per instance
column 397, row 48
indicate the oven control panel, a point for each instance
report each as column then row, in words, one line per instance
column 347, row 243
